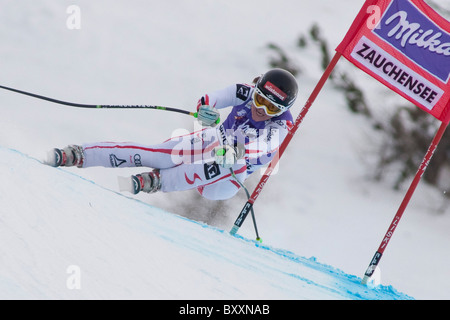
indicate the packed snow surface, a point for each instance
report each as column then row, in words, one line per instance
column 67, row 233
column 65, row 237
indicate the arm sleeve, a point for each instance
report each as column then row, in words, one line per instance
column 230, row 96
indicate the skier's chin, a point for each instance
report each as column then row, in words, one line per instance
column 259, row 114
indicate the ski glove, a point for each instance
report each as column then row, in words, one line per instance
column 208, row 116
column 227, row 156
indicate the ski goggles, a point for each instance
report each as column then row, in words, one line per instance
column 262, row 102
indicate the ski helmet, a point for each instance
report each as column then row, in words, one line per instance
column 279, row 87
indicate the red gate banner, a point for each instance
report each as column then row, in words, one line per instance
column 405, row 45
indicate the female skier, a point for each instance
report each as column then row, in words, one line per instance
column 248, row 139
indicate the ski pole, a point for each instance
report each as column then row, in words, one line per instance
column 101, row 106
column 248, row 197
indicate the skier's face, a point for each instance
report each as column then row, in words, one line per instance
column 258, row 114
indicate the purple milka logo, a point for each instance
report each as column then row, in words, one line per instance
column 416, row 36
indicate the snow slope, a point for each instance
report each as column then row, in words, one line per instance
column 321, row 203
column 58, row 222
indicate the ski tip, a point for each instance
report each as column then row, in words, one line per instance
column 53, row 158
column 129, row 184
column 125, row 184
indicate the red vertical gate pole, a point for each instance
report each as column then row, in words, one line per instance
column 249, row 204
column 426, row 160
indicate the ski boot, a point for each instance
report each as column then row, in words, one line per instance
column 70, row 156
column 149, row 182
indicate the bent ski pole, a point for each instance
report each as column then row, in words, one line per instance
column 100, row 106
column 248, row 197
